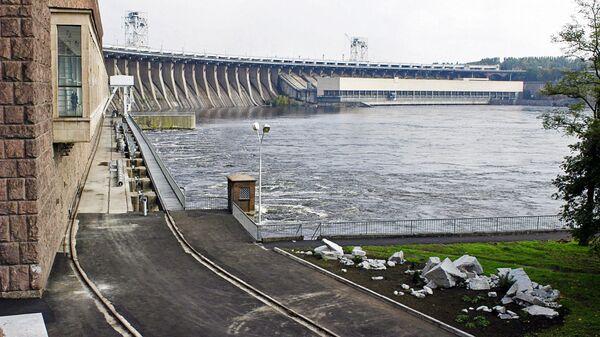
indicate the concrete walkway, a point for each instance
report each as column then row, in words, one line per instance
column 100, row 193
column 137, row 264
column 421, row 240
column 340, row 308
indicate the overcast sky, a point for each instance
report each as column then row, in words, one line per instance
column 398, row 30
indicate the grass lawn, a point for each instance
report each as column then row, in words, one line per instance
column 565, row 266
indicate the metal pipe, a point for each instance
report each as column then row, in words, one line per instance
column 120, row 173
column 145, row 203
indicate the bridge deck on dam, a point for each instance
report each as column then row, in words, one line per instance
column 169, row 194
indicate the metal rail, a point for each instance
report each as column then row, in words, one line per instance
column 207, row 203
column 120, row 51
column 152, row 156
column 312, row 231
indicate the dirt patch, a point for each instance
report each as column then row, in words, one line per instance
column 444, row 304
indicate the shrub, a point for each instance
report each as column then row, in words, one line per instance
column 595, row 246
column 505, row 282
column 461, row 318
column 281, row 101
column 357, row 259
column 481, row 321
column 417, row 280
column 472, row 300
column 470, row 325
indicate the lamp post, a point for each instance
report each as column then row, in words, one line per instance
column 265, row 129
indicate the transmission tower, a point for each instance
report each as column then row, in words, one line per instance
column 135, row 25
column 359, row 48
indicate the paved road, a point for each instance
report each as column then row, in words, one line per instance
column 139, row 266
column 338, row 307
column 562, row 235
column 67, row 307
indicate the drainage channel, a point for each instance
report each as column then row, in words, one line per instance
column 242, row 285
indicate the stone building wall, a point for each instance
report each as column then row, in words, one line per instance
column 37, row 184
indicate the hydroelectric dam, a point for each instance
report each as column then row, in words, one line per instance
column 180, row 81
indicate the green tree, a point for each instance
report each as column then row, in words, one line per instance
column 579, row 185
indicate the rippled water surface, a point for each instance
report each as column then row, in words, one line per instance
column 375, row 163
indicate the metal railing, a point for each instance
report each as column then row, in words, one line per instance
column 172, row 183
column 207, row 203
column 248, row 223
column 374, row 228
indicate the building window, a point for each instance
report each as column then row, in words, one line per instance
column 69, row 72
column 244, row 193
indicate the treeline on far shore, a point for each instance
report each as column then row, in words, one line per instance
column 537, row 69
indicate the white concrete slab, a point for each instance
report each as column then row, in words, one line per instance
column 29, row 325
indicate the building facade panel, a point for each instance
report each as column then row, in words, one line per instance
column 38, row 179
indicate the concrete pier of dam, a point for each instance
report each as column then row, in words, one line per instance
column 176, row 81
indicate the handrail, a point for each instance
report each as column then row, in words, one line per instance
column 313, row 231
column 207, row 203
column 172, row 183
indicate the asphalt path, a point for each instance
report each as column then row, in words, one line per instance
column 138, row 264
column 333, row 305
column 67, row 307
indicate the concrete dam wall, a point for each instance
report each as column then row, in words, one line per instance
column 169, row 86
column 178, row 81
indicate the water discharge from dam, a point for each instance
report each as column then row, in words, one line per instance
column 375, row 163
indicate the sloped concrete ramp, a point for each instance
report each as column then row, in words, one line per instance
column 137, row 264
column 337, row 307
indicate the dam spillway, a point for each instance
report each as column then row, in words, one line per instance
column 178, row 81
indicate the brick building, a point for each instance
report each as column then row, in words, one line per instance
column 53, row 91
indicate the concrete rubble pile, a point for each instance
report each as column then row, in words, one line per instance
column 536, row 299
column 330, row 250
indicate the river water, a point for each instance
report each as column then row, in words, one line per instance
column 375, row 163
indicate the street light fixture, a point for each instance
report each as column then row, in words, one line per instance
column 265, row 129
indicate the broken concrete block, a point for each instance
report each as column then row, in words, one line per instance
column 377, row 278
column 391, row 264
column 500, row 309
column 492, row 294
column 431, row 262
column 334, row 246
column 397, row 257
column 346, row 261
column 526, row 297
column 522, row 282
column 483, row 308
column 536, row 310
column 405, row 286
column 428, row 290
column 358, row 251
column 468, row 263
column 431, row 285
column 373, row 264
column 444, row 274
column 417, row 294
column 480, row 283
